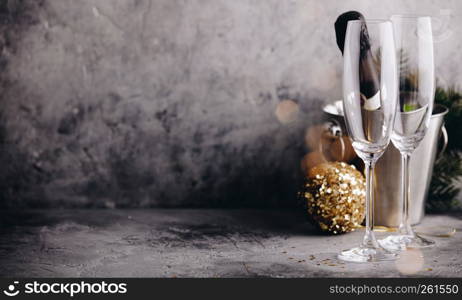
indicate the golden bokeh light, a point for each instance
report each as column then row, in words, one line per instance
column 410, row 261
column 287, row 111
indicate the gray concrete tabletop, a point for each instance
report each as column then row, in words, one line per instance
column 203, row 243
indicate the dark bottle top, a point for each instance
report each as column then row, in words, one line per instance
column 368, row 68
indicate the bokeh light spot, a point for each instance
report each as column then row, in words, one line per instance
column 287, row 111
column 410, row 261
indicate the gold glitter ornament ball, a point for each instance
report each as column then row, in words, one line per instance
column 334, row 195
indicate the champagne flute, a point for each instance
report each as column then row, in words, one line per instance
column 370, row 88
column 414, row 44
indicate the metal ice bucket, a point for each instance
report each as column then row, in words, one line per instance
column 387, row 209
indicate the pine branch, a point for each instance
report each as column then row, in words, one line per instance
column 444, row 187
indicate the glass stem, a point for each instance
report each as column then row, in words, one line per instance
column 405, row 227
column 369, row 238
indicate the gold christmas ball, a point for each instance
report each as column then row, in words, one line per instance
column 334, row 195
column 313, row 136
column 336, row 153
column 310, row 160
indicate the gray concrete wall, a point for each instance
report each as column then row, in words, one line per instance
column 167, row 102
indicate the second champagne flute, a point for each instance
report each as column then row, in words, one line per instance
column 414, row 45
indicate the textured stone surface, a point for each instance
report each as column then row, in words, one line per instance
column 199, row 243
column 109, row 103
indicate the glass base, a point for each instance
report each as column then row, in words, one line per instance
column 403, row 242
column 364, row 254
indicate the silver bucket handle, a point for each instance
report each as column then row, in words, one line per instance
column 445, row 143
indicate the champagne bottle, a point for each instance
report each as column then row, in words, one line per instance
column 368, row 70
